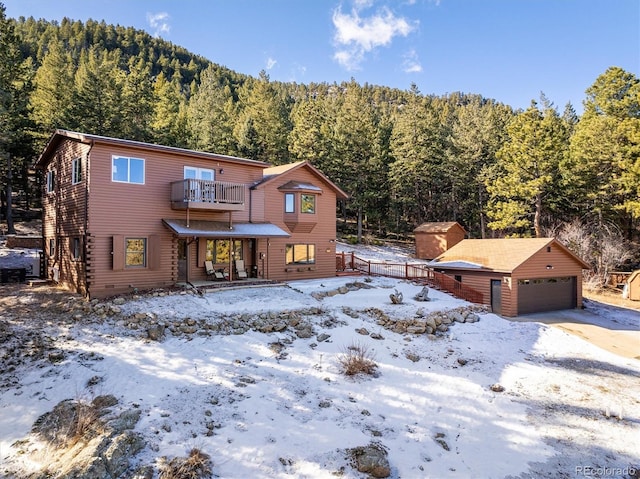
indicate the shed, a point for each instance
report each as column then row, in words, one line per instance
column 433, row 239
column 632, row 288
column 517, row 275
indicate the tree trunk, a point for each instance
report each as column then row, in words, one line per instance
column 537, row 217
column 359, row 232
column 10, row 228
column 483, row 233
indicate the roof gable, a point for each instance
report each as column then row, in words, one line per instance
column 498, row 254
column 283, row 171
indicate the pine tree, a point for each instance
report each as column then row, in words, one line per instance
column 16, row 126
column 528, row 171
column 603, row 168
column 417, row 174
column 52, row 97
column 212, row 115
column 263, row 127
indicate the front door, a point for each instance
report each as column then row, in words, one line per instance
column 496, row 296
column 182, row 260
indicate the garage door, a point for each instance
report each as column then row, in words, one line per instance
column 546, row 294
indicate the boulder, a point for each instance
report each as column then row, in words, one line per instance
column 372, row 460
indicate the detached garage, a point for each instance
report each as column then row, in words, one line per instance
column 517, row 275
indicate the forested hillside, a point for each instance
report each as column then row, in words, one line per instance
column 404, row 157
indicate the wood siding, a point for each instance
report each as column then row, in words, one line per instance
column 432, row 245
column 322, row 235
column 136, row 211
column 64, row 217
column 561, row 263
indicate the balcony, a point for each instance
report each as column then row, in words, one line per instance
column 207, row 195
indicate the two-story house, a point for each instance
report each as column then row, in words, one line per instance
column 121, row 215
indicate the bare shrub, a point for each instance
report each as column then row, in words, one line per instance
column 86, row 422
column 196, row 466
column 599, row 244
column 357, row 359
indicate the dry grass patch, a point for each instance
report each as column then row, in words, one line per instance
column 196, row 466
column 357, row 359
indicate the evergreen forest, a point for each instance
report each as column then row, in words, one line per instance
column 404, row 157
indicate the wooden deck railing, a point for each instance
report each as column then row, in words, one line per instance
column 420, row 273
column 202, row 191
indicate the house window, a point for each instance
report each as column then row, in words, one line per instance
column 76, row 171
column 51, row 181
column 75, row 249
column 193, row 173
column 135, row 252
column 289, row 203
column 127, row 170
column 219, row 251
column 300, row 254
column 308, row 203
column 52, row 247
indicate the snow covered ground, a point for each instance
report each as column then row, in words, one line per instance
column 278, row 406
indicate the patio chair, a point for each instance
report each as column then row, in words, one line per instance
column 211, row 272
column 241, row 271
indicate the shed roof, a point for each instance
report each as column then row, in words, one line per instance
column 496, row 254
column 220, row 229
column 437, row 227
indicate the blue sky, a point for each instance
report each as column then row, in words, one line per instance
column 510, row 50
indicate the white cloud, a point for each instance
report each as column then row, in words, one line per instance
column 159, row 22
column 411, row 62
column 356, row 36
column 271, row 63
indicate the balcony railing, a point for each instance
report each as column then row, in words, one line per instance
column 210, row 195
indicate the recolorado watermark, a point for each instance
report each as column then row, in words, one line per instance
column 598, row 471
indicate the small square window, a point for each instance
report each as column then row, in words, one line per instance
column 308, row 203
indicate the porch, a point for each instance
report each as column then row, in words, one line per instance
column 209, row 285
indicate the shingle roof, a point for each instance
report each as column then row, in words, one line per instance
column 436, row 227
column 496, row 254
column 88, row 138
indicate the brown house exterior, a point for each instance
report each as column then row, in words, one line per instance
column 433, row 239
column 123, row 215
column 518, row 275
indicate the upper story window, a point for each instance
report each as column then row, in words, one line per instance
column 127, row 170
column 76, row 171
column 289, row 203
column 307, row 203
column 51, row 181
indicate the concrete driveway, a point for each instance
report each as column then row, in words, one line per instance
column 612, row 328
